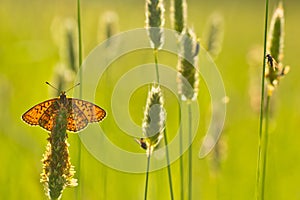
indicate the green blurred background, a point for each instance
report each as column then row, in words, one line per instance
column 29, row 54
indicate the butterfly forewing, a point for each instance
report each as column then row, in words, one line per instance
column 33, row 115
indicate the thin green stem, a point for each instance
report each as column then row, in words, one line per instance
column 155, row 52
column 79, row 47
column 169, row 166
column 181, row 153
column 190, row 152
column 265, row 148
column 258, row 175
column 147, row 177
column 78, row 195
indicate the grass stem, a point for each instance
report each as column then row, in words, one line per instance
column 265, row 148
column 190, row 152
column 147, row 177
column 259, row 188
column 78, row 193
column 155, row 52
column 181, row 153
column 168, row 163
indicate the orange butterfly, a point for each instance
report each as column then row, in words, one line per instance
column 80, row 113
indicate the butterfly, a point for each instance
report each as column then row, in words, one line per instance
column 80, row 113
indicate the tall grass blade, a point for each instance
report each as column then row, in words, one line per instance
column 273, row 73
column 168, row 166
column 147, row 178
column 78, row 193
column 258, row 175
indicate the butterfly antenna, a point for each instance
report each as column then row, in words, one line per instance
column 51, row 85
column 73, row 87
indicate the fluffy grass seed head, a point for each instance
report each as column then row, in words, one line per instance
column 178, row 15
column 108, row 25
column 57, row 169
column 214, row 34
column 275, row 40
column 275, row 69
column 65, row 36
column 155, row 22
column 254, row 62
column 188, row 77
column 71, row 47
column 154, row 120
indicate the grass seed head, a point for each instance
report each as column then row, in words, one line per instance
column 276, row 34
column 214, row 34
column 275, row 69
column 57, row 169
column 178, row 15
column 71, row 45
column 155, row 22
column 108, row 24
column 154, row 120
column 188, row 77
column 65, row 36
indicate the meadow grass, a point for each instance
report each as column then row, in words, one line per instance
column 79, row 155
column 273, row 71
column 179, row 17
column 30, row 50
column 259, row 175
column 154, row 24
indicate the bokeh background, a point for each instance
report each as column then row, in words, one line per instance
column 29, row 56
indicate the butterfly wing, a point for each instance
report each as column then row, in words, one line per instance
column 35, row 115
column 46, row 121
column 81, row 113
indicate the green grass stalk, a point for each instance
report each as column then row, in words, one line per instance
column 181, row 153
column 154, row 23
column 190, row 153
column 152, row 126
column 155, row 52
column 265, row 141
column 147, row 178
column 169, row 167
column 259, row 187
column 79, row 188
column 187, row 62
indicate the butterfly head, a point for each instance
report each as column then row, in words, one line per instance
column 63, row 97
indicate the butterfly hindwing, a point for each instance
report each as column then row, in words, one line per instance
column 46, row 121
column 92, row 112
column 76, row 119
column 81, row 113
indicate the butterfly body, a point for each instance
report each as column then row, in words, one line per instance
column 79, row 113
